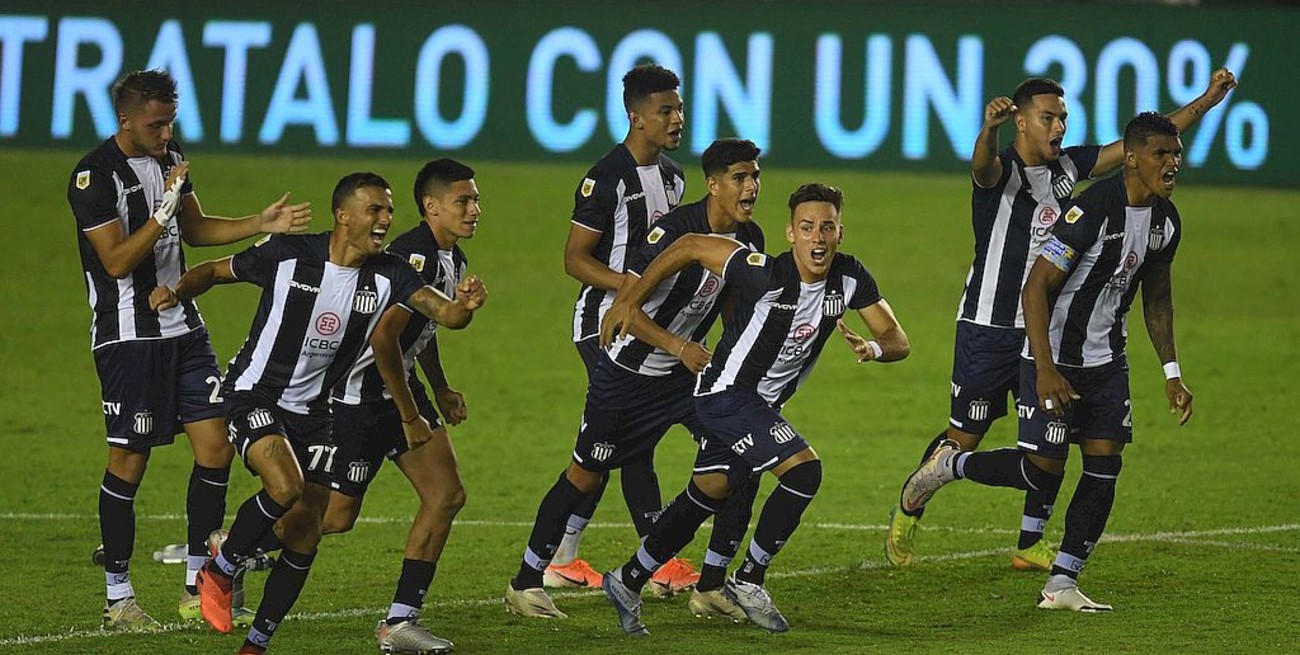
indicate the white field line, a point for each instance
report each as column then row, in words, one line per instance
column 1195, row 537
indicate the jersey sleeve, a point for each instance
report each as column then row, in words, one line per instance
column 594, row 202
column 405, row 283
column 867, row 292
column 748, row 272
column 1084, row 158
column 257, row 264
column 93, row 197
column 1073, row 235
column 656, row 241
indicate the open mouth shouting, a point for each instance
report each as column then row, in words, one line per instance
column 818, row 255
column 378, row 235
column 747, row 205
column 1055, row 146
column 1167, row 178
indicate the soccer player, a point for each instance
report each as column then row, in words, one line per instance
column 1120, row 234
column 323, row 295
column 642, row 386
column 367, row 425
column 786, row 308
column 1016, row 198
column 134, row 202
column 615, row 205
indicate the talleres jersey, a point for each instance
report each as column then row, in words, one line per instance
column 1012, row 220
column 621, row 201
column 1108, row 248
column 781, row 323
column 687, row 302
column 438, row 268
column 108, row 187
column 313, row 320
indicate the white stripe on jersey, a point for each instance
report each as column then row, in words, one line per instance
column 274, row 320
column 617, row 259
column 993, row 258
column 748, row 337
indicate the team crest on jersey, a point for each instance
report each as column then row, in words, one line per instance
column 602, row 451
column 417, row 261
column 1156, row 238
column 756, row 259
column 782, row 433
column 655, row 235
column 833, row 304
column 259, row 418
column 1056, row 431
column 588, row 185
column 83, row 180
column 365, row 302
column 358, row 472
column 143, row 423
column 979, row 410
column 1073, row 215
column 1062, row 186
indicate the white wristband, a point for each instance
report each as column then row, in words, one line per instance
column 166, row 209
column 876, row 351
column 1172, row 371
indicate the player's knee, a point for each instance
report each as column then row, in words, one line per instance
column 451, row 497
column 285, row 490
column 586, row 481
column 1105, row 467
column 338, row 522
column 968, row 441
column 804, row 479
column 1045, row 464
column 301, row 531
column 715, row 486
column 1043, row 479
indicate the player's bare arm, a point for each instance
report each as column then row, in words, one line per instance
column 451, row 404
column 386, row 343
column 889, row 339
column 1158, row 310
column 454, row 314
column 1054, row 391
column 195, row 282
column 692, row 354
column 709, row 251
column 579, row 263
column 1222, row 81
column 985, row 164
column 280, row 217
column 119, row 253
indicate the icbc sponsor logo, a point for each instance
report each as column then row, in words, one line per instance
column 327, row 323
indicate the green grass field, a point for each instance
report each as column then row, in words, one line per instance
column 1203, row 547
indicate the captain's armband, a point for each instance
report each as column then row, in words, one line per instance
column 1060, row 255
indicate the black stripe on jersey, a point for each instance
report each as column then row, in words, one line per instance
column 1006, row 301
column 294, row 322
column 834, row 285
column 1084, row 301
column 771, row 337
column 144, row 278
column 355, row 338
column 684, row 286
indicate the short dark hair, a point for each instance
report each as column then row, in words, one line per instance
column 137, row 88
column 1144, row 125
column 436, row 174
column 350, row 183
column 817, row 192
column 1035, row 86
column 644, row 80
column 721, row 154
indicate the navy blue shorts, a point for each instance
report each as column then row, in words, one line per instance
column 743, row 434
column 250, row 416
column 985, row 368
column 1103, row 412
column 152, row 388
column 591, row 353
column 627, row 414
column 367, row 433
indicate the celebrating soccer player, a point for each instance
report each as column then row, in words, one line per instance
column 134, row 202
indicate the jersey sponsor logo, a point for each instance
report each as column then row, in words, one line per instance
column 328, row 323
column 709, row 286
column 111, row 408
column 259, row 418
column 132, row 189
column 83, row 180
column 785, row 307
column 1062, row 186
column 956, row 389
column 1112, row 237
column 1056, row 432
column 782, row 433
column 801, row 333
column 358, row 472
column 1156, row 238
column 833, row 304
column 602, row 451
column 743, row 445
column 588, row 185
column 143, row 423
column 1073, row 215
column 1025, row 411
column 294, row 284
column 979, row 410
column 417, row 261
column 654, row 236
column 634, row 197
column 1046, row 215
column 756, row 259
column 365, row 301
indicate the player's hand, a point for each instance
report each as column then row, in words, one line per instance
column 282, row 218
column 856, row 342
column 617, row 322
column 417, row 432
column 471, row 293
column 1180, row 400
column 1054, row 391
column 451, row 404
column 998, row 111
column 176, row 177
column 1221, row 82
column 163, row 298
column 694, row 355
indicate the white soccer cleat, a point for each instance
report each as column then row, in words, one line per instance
column 932, row 474
column 533, row 602
column 754, row 600
column 1070, row 598
column 410, row 638
column 126, row 616
column 708, row 604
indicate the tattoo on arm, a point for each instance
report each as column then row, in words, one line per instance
column 1158, row 310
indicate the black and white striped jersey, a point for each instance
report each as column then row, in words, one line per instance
column 438, row 268
column 106, row 187
column 620, row 200
column 1012, row 220
column 313, row 320
column 1109, row 248
column 685, row 303
column 780, row 323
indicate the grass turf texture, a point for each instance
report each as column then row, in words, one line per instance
column 1181, row 580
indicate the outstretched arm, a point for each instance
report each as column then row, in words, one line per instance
column 890, row 342
column 454, row 314
column 280, row 217
column 1158, row 310
column 195, row 282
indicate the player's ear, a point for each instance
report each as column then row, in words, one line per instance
column 123, row 123
column 430, row 205
column 789, row 231
column 712, row 184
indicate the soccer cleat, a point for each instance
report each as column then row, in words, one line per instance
column 214, row 598
column 533, row 602
column 628, row 604
column 756, row 603
column 410, row 638
column 577, row 573
column 126, row 616
column 190, row 609
column 708, row 604
column 1038, row 557
column 250, row 649
column 1069, row 598
column 898, row 540
column 932, row 474
column 675, row 576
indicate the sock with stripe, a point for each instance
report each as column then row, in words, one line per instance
column 675, row 528
column 1006, row 467
column 255, row 518
column 779, row 519
column 205, row 509
column 117, row 530
column 548, row 530
column 577, row 522
column 1085, row 520
column 729, row 528
column 1038, row 509
column 412, row 586
column 282, row 589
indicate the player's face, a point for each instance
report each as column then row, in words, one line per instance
column 1042, row 126
column 814, row 234
column 661, row 118
column 456, row 209
column 147, row 130
column 736, row 190
column 365, row 218
column 1157, row 162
